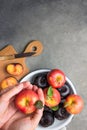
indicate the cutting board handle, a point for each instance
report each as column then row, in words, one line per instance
column 34, row 46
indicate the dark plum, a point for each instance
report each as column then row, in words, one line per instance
column 41, row 80
column 61, row 114
column 64, row 91
column 47, row 119
column 46, row 108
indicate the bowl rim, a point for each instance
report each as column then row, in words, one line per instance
column 67, row 79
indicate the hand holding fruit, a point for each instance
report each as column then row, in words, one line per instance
column 21, row 121
column 7, row 108
column 27, row 101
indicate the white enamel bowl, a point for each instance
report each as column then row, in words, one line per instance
column 57, row 125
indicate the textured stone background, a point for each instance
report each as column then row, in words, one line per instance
column 61, row 25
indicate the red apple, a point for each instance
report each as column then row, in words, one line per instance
column 51, row 96
column 74, row 104
column 25, row 101
column 56, row 78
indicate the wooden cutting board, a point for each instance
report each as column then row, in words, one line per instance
column 32, row 46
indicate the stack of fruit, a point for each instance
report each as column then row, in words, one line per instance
column 60, row 101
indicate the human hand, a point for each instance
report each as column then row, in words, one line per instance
column 20, row 121
column 7, row 107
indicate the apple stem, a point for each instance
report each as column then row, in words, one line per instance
column 66, row 105
column 39, row 104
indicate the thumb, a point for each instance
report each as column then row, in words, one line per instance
column 8, row 95
column 37, row 116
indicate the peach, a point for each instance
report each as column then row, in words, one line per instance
column 14, row 69
column 8, row 82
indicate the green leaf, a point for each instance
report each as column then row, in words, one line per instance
column 38, row 104
column 50, row 92
column 55, row 108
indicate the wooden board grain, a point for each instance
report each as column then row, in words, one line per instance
column 35, row 46
column 6, row 51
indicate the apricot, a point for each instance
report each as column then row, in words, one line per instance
column 8, row 82
column 14, row 69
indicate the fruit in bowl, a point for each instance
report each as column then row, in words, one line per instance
column 56, row 78
column 51, row 96
column 40, row 80
column 61, row 113
column 47, row 119
column 74, row 104
column 58, row 113
column 65, row 90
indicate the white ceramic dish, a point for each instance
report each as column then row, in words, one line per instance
column 57, row 125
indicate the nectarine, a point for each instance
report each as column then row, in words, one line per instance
column 8, row 82
column 27, row 101
column 52, row 97
column 14, row 69
column 74, row 104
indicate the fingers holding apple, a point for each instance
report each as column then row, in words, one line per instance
column 29, row 100
column 74, row 104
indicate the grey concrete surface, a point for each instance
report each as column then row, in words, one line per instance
column 61, row 25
